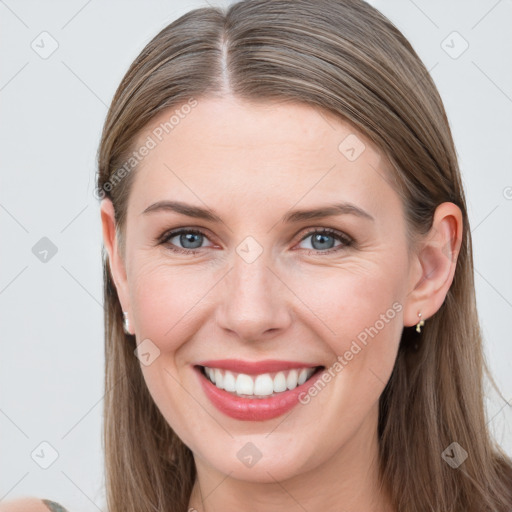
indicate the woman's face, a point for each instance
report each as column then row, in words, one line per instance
column 264, row 284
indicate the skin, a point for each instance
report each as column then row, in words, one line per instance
column 31, row 504
column 251, row 163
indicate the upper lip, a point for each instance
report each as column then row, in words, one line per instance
column 255, row 367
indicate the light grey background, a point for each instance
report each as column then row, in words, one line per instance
column 51, row 116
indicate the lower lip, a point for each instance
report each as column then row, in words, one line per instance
column 254, row 409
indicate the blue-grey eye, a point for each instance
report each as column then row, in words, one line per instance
column 323, row 240
column 186, row 241
column 189, row 239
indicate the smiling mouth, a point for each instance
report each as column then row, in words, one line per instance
column 264, row 385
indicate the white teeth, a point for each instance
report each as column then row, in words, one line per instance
column 218, row 379
column 263, row 385
column 303, row 375
column 229, row 382
column 291, row 380
column 244, row 385
column 279, row 382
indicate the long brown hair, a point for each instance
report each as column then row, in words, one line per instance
column 343, row 56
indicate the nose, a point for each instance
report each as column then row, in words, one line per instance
column 255, row 304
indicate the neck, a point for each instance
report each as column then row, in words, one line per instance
column 348, row 480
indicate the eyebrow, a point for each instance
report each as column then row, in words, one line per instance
column 294, row 216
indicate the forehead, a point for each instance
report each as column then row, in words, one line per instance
column 224, row 148
column 251, row 127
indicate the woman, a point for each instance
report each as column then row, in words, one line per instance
column 291, row 319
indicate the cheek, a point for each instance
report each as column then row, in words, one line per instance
column 356, row 302
column 166, row 300
column 361, row 323
column 167, row 303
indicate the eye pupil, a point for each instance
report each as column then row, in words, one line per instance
column 321, row 238
column 189, row 237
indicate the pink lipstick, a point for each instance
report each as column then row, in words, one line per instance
column 255, row 391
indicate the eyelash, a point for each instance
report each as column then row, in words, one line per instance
column 346, row 240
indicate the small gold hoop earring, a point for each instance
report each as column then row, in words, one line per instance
column 420, row 324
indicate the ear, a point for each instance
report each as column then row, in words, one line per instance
column 115, row 258
column 434, row 264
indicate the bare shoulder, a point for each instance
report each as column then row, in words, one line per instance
column 31, row 505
